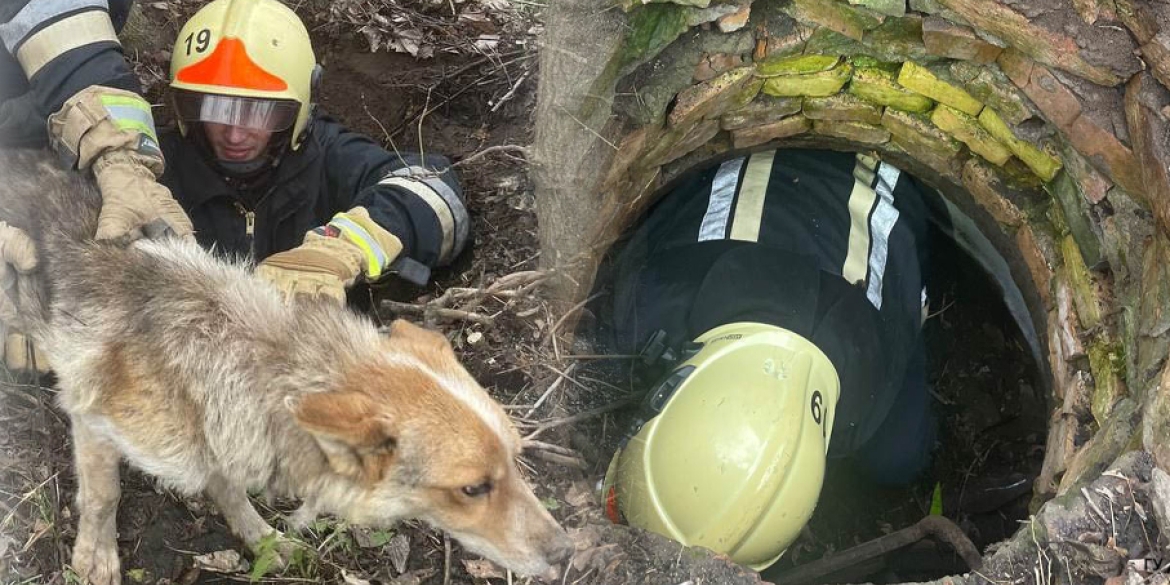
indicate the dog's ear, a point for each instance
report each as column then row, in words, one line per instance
column 348, row 428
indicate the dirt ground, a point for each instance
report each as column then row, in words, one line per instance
column 566, row 402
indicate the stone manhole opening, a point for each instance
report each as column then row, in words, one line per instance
column 1044, row 122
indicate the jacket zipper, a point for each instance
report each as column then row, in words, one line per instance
column 249, row 227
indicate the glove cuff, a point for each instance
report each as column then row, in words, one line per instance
column 378, row 247
column 99, row 120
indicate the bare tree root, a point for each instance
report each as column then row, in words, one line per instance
column 938, row 527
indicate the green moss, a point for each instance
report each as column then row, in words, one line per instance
column 868, row 62
column 919, row 79
column 969, row 132
column 1107, row 362
column 1043, row 164
column 879, row 87
column 823, row 83
column 797, row 65
column 1088, row 310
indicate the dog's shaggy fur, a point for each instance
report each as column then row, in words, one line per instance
column 198, row 372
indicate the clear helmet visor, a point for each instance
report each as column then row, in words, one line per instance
column 255, row 113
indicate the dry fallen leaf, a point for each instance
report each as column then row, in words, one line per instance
column 398, row 549
column 483, row 569
column 222, row 561
column 351, row 579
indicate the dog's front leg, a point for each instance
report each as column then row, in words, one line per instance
column 95, row 552
column 243, row 518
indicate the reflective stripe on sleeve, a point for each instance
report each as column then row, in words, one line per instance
column 460, row 226
column 38, row 12
column 749, row 208
column 375, row 255
column 714, row 226
column 861, row 201
column 436, row 203
column 85, row 28
column 130, row 114
column 882, row 223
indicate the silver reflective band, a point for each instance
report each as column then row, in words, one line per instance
column 714, row 226
column 36, row 12
column 454, row 204
column 432, row 199
column 882, row 223
column 83, row 29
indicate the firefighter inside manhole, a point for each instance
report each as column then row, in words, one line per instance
column 830, row 353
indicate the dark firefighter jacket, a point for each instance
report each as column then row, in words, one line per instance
column 826, row 244
column 69, row 45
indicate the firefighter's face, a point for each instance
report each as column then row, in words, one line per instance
column 236, row 143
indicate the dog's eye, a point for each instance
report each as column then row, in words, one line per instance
column 479, row 489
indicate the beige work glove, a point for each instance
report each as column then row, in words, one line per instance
column 111, row 131
column 21, row 356
column 332, row 256
column 18, row 259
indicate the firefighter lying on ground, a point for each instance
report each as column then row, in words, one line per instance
column 784, row 292
column 258, row 169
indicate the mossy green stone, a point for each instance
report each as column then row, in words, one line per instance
column 842, row 107
column 1072, row 202
column 1044, row 165
column 764, row 109
column 919, row 79
column 819, row 84
column 1080, row 283
column 969, row 132
column 835, row 15
column 868, row 62
column 879, row 87
column 887, row 7
column 797, row 65
column 918, row 130
column 857, row 132
column 1107, row 362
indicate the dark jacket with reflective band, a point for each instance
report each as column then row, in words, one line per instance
column 746, row 241
column 26, row 103
column 333, row 170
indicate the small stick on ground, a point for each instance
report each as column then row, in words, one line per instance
column 552, row 332
column 443, row 313
column 446, row 560
column 561, row 377
column 580, row 416
column 574, row 462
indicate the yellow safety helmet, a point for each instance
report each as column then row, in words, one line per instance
column 244, row 63
column 733, row 456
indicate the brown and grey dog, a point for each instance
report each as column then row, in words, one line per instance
column 196, row 372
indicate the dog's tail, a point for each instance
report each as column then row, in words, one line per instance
column 58, row 209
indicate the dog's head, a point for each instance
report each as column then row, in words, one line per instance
column 419, row 438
